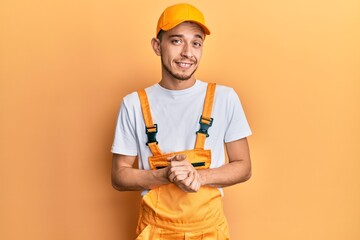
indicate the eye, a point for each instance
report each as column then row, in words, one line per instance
column 197, row 44
column 176, row 41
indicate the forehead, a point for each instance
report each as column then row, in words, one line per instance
column 186, row 28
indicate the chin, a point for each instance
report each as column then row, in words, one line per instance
column 182, row 77
column 180, row 74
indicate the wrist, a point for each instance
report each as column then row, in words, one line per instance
column 202, row 177
column 162, row 175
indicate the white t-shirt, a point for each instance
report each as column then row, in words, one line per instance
column 177, row 114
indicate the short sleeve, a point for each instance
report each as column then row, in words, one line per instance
column 238, row 126
column 124, row 139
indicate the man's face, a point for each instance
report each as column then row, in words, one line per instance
column 181, row 50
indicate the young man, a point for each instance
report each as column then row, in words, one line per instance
column 177, row 129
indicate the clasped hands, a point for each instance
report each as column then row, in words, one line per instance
column 183, row 174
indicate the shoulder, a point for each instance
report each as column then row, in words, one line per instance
column 225, row 93
column 223, row 90
column 132, row 100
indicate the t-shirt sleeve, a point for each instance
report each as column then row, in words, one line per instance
column 124, row 139
column 238, row 126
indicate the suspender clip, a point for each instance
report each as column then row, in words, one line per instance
column 205, row 123
column 151, row 134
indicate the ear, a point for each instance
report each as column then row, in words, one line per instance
column 155, row 43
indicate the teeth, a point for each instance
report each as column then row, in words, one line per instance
column 185, row 65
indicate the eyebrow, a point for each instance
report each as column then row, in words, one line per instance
column 199, row 36
column 181, row 35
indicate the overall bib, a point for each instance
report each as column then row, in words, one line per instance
column 166, row 211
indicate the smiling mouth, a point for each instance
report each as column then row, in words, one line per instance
column 184, row 65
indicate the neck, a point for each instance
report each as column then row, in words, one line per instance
column 177, row 84
column 172, row 83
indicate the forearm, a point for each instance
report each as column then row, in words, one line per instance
column 131, row 179
column 226, row 175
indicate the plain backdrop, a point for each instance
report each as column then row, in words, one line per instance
column 66, row 65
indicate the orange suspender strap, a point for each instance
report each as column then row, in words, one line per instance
column 205, row 119
column 151, row 128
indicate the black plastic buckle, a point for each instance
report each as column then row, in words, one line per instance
column 204, row 127
column 151, row 135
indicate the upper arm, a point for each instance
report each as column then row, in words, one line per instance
column 238, row 150
column 120, row 161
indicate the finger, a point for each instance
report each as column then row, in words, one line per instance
column 174, row 175
column 198, row 186
column 180, row 163
column 180, row 177
column 179, row 172
column 180, row 157
column 189, row 179
column 195, row 185
column 171, row 177
column 171, row 158
column 180, row 168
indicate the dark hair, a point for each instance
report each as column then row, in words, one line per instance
column 160, row 34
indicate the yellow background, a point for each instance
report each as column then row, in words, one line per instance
column 65, row 66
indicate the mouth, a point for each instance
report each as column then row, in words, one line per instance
column 184, row 65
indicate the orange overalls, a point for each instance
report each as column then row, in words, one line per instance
column 166, row 211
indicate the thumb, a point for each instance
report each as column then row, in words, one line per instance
column 180, row 157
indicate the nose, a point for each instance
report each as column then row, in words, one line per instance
column 186, row 51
